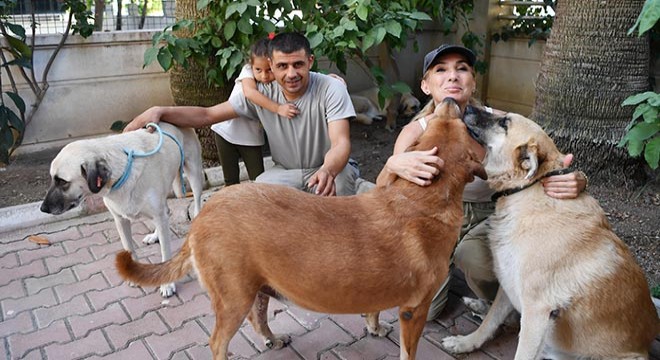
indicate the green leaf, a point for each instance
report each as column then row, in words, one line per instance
column 652, row 152
column 216, row 42
column 417, row 15
column 244, row 26
column 394, row 28
column 18, row 101
column 651, row 115
column 315, row 39
column 15, row 121
column 640, row 110
column 638, row 98
column 165, row 59
column 368, row 41
column 362, row 12
column 18, row 30
column 150, row 56
column 19, row 46
column 118, row 126
column 229, row 29
column 647, row 18
column 401, row 87
column 202, row 4
column 643, row 131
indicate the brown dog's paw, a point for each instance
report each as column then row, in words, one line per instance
column 381, row 330
column 278, row 342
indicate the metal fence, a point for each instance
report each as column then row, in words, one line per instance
column 51, row 19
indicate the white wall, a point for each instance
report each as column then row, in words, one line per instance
column 93, row 82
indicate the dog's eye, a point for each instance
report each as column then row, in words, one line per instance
column 61, row 183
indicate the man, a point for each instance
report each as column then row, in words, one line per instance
column 310, row 151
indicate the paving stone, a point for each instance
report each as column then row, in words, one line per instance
column 307, row 318
column 8, row 261
column 135, row 351
column 84, row 271
column 20, row 344
column 189, row 288
column 367, row 348
column 137, row 307
column 121, row 335
column 326, row 336
column 175, row 316
column 201, row 352
column 164, row 346
column 77, row 306
column 21, row 323
column 286, row 353
column 16, row 246
column 34, row 285
column 43, row 298
column 55, row 264
column 354, row 324
column 100, row 299
column 28, row 255
column 66, row 292
column 89, row 229
column 106, row 249
column 74, row 245
column 93, row 344
column 68, row 233
column 13, row 290
column 26, row 272
column 113, row 314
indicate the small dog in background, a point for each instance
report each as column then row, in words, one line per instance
column 367, row 107
column 99, row 166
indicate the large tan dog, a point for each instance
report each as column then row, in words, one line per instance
column 577, row 287
column 327, row 254
column 95, row 166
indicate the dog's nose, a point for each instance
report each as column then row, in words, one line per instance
column 44, row 208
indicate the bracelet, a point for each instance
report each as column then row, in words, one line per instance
column 586, row 179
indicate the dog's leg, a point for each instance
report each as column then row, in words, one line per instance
column 535, row 322
column 123, row 226
column 163, row 234
column 193, row 167
column 376, row 328
column 230, row 311
column 412, row 320
column 500, row 309
column 258, row 318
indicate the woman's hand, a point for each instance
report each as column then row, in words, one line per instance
column 415, row 166
column 567, row 186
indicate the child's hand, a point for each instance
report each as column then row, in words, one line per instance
column 288, row 110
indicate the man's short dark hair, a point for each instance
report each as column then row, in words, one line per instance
column 289, row 42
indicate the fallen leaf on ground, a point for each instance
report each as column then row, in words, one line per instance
column 39, row 240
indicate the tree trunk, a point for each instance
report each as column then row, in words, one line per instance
column 190, row 87
column 590, row 65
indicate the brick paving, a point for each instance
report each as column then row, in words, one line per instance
column 66, row 301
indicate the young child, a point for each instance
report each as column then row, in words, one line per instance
column 243, row 138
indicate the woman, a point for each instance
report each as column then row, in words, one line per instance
column 448, row 72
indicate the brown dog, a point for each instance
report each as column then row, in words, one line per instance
column 579, row 291
column 327, row 254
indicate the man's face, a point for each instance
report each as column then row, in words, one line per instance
column 292, row 72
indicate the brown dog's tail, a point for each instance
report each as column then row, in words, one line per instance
column 154, row 274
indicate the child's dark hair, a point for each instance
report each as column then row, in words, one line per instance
column 288, row 43
column 259, row 48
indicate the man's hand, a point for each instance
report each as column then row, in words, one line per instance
column 415, row 166
column 288, row 110
column 152, row 115
column 567, row 186
column 324, row 182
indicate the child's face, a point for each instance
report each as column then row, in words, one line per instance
column 261, row 70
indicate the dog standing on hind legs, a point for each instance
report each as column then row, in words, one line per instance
column 395, row 254
column 132, row 184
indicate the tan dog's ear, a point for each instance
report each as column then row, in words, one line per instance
column 476, row 167
column 528, row 159
column 97, row 174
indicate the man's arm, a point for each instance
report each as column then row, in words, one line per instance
column 335, row 159
column 184, row 116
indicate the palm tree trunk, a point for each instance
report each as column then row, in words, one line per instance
column 589, row 66
column 189, row 86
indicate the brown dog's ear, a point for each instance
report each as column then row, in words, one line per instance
column 97, row 174
column 528, row 159
column 478, row 169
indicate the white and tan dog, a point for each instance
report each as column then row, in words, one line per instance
column 575, row 283
column 94, row 166
column 367, row 107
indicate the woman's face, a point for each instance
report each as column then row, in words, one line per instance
column 450, row 76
